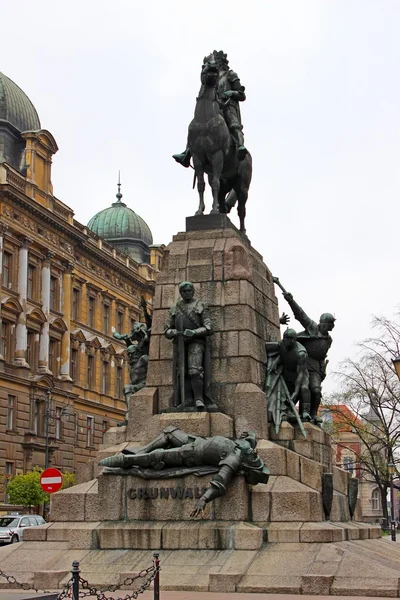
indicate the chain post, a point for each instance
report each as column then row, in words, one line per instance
column 157, row 577
column 75, row 580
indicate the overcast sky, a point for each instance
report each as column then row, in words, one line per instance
column 116, row 82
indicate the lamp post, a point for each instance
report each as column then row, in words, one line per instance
column 47, row 415
column 396, row 364
column 391, row 470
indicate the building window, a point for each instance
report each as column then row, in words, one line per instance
column 11, row 407
column 375, row 500
column 32, row 354
column 90, row 431
column 74, row 365
column 133, row 321
column 348, row 464
column 54, row 353
column 9, row 473
column 31, row 287
column 7, row 278
column 54, row 305
column 105, row 377
column 3, row 340
column 58, row 417
column 120, row 321
column 106, row 318
column 38, row 417
column 6, row 342
column 91, row 311
column 91, row 375
column 103, row 431
column 119, row 382
column 76, row 304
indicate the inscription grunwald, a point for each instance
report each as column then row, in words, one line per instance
column 176, row 493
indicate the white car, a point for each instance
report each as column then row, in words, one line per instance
column 12, row 527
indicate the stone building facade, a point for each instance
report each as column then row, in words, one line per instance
column 64, row 291
column 347, row 447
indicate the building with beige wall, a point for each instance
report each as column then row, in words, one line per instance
column 64, row 291
column 347, row 448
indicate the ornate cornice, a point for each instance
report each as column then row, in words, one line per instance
column 79, row 237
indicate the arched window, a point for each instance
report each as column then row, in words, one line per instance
column 375, row 500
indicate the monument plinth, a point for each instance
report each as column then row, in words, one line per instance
column 231, row 277
column 235, row 536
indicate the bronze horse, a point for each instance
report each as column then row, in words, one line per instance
column 214, row 152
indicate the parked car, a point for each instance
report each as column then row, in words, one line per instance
column 12, row 527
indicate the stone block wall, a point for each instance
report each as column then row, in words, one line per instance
column 232, row 278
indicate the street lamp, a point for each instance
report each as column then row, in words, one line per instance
column 47, row 416
column 391, row 470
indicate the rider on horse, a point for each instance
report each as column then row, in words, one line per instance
column 229, row 93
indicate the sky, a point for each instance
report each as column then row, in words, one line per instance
column 116, row 83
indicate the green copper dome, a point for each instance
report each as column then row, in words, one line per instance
column 121, row 226
column 15, row 106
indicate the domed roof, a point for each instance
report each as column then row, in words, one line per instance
column 119, row 222
column 15, row 106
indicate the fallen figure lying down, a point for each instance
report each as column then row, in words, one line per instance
column 175, row 453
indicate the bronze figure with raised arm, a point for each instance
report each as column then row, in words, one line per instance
column 316, row 340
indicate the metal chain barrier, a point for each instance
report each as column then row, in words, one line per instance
column 24, row 586
column 73, row 589
column 149, row 573
column 66, row 591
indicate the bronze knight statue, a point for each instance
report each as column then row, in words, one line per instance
column 287, row 381
column 215, row 139
column 175, row 453
column 189, row 327
column 229, row 93
column 137, row 342
column 316, row 340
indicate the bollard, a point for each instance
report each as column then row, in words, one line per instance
column 75, row 580
column 157, row 577
column 393, row 530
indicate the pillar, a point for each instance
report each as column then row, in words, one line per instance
column 21, row 336
column 44, row 334
column 3, row 229
column 66, row 310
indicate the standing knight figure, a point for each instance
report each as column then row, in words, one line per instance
column 230, row 92
column 189, row 327
column 317, row 341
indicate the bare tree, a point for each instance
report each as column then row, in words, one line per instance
column 370, row 388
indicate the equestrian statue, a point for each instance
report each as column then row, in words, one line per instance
column 215, row 139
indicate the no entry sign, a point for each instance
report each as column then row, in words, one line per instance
column 51, row 480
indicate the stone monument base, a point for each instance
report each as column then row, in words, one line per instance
column 355, row 567
column 273, row 537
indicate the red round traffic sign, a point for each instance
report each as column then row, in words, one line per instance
column 51, row 480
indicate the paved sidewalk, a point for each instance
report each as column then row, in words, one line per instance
column 17, row 595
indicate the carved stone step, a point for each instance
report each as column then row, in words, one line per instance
column 195, row 535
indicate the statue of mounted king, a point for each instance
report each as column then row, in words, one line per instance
column 230, row 92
